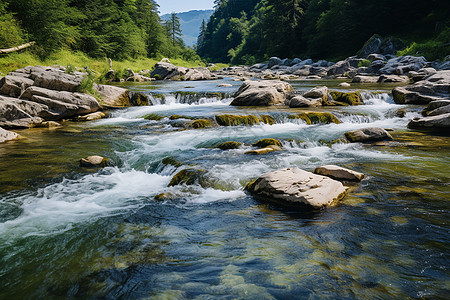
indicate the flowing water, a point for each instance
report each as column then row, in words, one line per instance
column 66, row 232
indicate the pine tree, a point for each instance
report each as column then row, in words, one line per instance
column 173, row 28
column 201, row 37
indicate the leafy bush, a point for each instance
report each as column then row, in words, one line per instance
column 432, row 49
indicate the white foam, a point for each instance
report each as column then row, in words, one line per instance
column 57, row 206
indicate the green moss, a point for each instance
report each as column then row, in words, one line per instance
column 176, row 117
column 352, row 98
column 364, row 63
column 188, row 177
column 139, row 99
column 267, row 119
column 236, row 120
column 316, row 118
column 201, row 123
column 267, row 142
column 153, row 117
column 157, row 76
column 171, row 161
column 229, row 145
column 250, row 186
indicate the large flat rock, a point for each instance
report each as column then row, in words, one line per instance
column 293, row 186
column 262, row 93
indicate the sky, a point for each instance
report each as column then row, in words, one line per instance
column 168, row 6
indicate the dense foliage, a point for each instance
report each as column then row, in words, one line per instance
column 246, row 31
column 118, row 29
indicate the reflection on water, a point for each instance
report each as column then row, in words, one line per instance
column 72, row 233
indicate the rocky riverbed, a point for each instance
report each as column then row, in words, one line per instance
column 219, row 187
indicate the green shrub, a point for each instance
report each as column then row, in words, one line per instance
column 364, row 63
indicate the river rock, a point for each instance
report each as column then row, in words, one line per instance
column 16, row 113
column 301, row 101
column 166, row 71
column 62, row 104
column 189, row 176
column 403, row 64
column 339, row 173
column 441, row 121
column 262, row 93
column 375, row 56
column 432, row 88
column 13, row 86
column 195, row 74
column 365, row 79
column 340, row 68
column 92, row 116
column 113, row 96
column 268, row 149
column 421, row 74
column 368, row 135
column 435, row 108
column 344, row 84
column 317, row 92
column 94, row 161
column 393, row 79
column 293, row 186
column 274, row 61
column 6, row 135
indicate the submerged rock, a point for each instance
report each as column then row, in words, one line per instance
column 6, row 135
column 94, row 161
column 368, row 135
column 262, row 93
column 229, row 145
column 92, row 117
column 293, row 186
column 316, row 117
column 267, row 142
column 301, row 101
column 339, row 173
column 188, row 177
column 365, row 79
column 238, row 120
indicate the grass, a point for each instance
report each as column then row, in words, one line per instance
column 72, row 59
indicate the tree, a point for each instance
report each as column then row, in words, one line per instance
column 173, row 28
column 201, row 36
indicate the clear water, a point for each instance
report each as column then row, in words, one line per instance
column 72, row 233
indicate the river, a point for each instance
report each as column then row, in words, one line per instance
column 67, row 232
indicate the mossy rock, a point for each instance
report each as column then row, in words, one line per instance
column 163, row 197
column 176, row 117
column 171, row 161
column 351, row 98
column 229, row 145
column 250, row 186
column 236, row 120
column 138, row 99
column 268, row 149
column 267, row 142
column 201, row 123
column 316, row 118
column 188, row 177
column 153, row 117
column 266, row 119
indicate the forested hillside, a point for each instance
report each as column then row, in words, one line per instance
column 190, row 24
column 117, row 29
column 247, row 31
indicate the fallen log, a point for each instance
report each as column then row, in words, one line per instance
column 4, row 51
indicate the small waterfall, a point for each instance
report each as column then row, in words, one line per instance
column 188, row 98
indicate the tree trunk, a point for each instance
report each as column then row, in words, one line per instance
column 4, row 51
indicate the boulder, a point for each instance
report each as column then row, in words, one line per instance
column 6, row 135
column 317, row 92
column 365, row 79
column 350, row 98
column 368, row 135
column 16, row 113
column 268, row 149
column 54, row 78
column 113, row 96
column 238, row 120
column 375, row 56
column 393, row 79
column 435, row 107
column 195, row 74
column 301, row 101
column 403, row 64
column 94, row 161
column 262, row 93
column 296, row 187
column 340, row 68
column 274, row 61
column 13, row 86
column 315, row 117
column 421, row 74
column 339, row 173
column 441, row 121
column 432, row 88
column 92, row 116
column 166, row 71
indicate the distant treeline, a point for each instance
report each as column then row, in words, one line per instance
column 245, row 31
column 118, row 29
